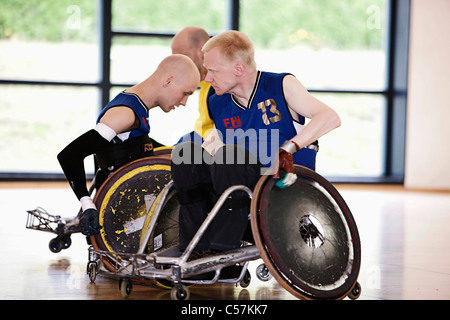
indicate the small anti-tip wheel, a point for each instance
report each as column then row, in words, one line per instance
column 262, row 273
column 125, row 287
column 92, row 270
column 246, row 280
column 56, row 245
column 66, row 242
column 356, row 291
column 180, row 292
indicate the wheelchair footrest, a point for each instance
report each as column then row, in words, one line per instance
column 39, row 219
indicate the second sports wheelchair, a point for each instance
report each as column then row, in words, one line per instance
column 305, row 234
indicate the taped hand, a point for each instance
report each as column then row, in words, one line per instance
column 286, row 164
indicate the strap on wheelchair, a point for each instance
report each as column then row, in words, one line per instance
column 194, row 193
column 237, row 200
column 118, row 153
column 236, row 203
column 203, row 191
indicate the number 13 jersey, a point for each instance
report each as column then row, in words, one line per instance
column 264, row 124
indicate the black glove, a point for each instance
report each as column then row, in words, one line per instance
column 89, row 222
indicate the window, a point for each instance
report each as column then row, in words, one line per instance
column 49, row 40
column 356, row 148
column 49, row 57
column 134, row 58
column 38, row 121
column 168, row 16
column 61, row 61
column 335, row 47
column 141, row 37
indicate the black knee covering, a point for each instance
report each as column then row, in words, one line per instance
column 235, row 202
column 194, row 193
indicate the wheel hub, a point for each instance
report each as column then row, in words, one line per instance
column 311, row 231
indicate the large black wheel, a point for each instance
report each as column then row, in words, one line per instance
column 124, row 200
column 306, row 236
column 166, row 232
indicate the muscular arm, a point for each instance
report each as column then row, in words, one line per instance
column 323, row 119
column 71, row 158
column 120, row 119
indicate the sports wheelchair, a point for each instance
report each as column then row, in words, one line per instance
column 305, row 234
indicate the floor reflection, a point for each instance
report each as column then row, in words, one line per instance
column 404, row 238
column 405, row 248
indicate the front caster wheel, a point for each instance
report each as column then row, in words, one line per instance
column 92, row 270
column 246, row 280
column 125, row 287
column 262, row 273
column 66, row 241
column 356, row 291
column 180, row 292
column 56, row 245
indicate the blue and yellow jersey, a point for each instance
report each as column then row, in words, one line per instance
column 132, row 101
column 204, row 123
column 264, row 124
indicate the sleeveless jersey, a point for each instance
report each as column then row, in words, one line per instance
column 264, row 124
column 140, row 110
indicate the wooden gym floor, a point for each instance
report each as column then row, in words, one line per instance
column 404, row 236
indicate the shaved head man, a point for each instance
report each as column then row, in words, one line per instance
column 121, row 133
column 189, row 41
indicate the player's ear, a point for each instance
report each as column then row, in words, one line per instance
column 168, row 80
column 239, row 69
column 201, row 54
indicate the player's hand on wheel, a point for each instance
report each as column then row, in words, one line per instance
column 286, row 165
column 89, row 222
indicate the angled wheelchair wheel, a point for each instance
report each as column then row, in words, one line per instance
column 166, row 231
column 124, row 200
column 165, row 151
column 165, row 234
column 306, row 236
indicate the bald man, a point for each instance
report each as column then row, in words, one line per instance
column 121, row 133
column 189, row 41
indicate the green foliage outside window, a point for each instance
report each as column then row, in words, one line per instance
column 343, row 24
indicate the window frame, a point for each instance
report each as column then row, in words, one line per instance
column 395, row 93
